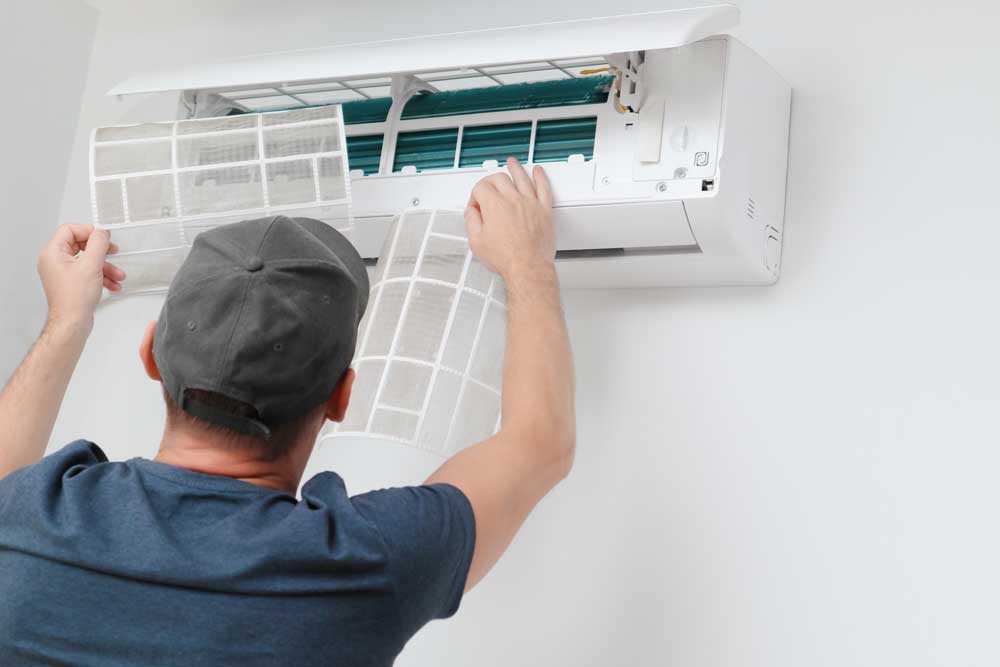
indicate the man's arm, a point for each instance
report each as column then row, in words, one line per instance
column 509, row 221
column 73, row 270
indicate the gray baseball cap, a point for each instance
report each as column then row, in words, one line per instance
column 265, row 312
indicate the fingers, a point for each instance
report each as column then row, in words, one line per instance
column 520, row 177
column 473, row 220
column 97, row 246
column 501, row 182
column 112, row 272
column 542, row 186
column 71, row 238
column 480, row 192
column 113, row 276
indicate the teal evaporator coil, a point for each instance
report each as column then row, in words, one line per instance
column 513, row 97
column 494, row 142
column 367, row 111
column 556, row 140
column 426, row 150
column 364, row 152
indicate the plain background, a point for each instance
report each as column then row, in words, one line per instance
column 44, row 52
column 803, row 474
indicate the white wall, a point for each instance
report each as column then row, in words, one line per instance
column 796, row 475
column 44, row 49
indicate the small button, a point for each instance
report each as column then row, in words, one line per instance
column 700, row 159
column 679, row 139
column 255, row 263
column 772, row 252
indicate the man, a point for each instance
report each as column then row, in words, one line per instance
column 203, row 556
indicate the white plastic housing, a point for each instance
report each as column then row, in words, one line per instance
column 688, row 189
column 624, row 222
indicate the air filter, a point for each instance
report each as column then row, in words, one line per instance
column 156, row 186
column 430, row 353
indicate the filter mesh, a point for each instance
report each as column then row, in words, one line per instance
column 430, row 348
column 193, row 175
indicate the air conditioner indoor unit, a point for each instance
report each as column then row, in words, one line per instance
column 665, row 139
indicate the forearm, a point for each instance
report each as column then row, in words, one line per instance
column 538, row 395
column 30, row 402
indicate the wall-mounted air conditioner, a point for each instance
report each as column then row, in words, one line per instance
column 665, row 139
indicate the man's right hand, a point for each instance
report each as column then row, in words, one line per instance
column 509, row 221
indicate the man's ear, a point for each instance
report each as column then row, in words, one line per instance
column 146, row 352
column 336, row 406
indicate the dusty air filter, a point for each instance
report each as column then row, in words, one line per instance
column 430, row 351
column 156, row 186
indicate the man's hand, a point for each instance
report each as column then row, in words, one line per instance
column 73, row 269
column 509, row 221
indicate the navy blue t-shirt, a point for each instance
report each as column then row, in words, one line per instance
column 143, row 563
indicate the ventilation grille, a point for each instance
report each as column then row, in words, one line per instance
column 431, row 344
column 751, row 209
column 156, row 186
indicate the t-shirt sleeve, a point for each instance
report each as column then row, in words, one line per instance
column 430, row 532
column 35, row 491
column 75, row 456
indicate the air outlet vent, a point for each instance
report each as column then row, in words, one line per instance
column 751, row 209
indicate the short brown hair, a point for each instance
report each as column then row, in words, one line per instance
column 283, row 436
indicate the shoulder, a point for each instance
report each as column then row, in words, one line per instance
column 46, row 488
column 409, row 508
column 410, row 521
column 69, row 460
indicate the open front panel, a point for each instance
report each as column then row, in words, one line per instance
column 376, row 89
column 557, row 40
